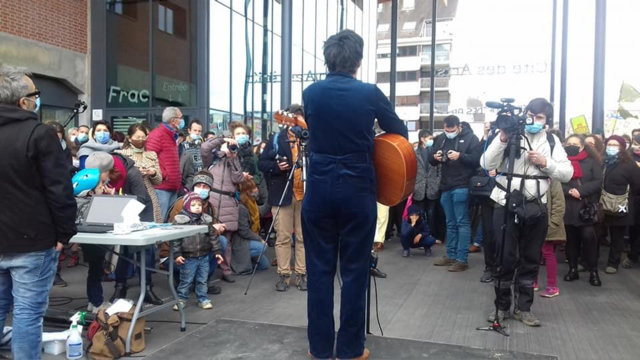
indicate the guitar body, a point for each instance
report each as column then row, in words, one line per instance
column 396, row 166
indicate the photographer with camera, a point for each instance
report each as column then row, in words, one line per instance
column 220, row 156
column 456, row 149
column 536, row 159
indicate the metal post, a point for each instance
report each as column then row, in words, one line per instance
column 394, row 52
column 598, row 66
column 432, row 92
column 265, row 67
column 554, row 28
column 285, row 54
column 563, row 67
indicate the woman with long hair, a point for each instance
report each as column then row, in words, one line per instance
column 583, row 189
column 621, row 176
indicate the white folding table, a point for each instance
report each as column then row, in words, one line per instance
column 141, row 240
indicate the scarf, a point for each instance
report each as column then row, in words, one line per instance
column 254, row 213
column 575, row 162
column 195, row 219
column 609, row 161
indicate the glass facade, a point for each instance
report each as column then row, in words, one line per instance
column 245, row 60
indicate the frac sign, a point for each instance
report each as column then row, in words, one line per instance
column 121, row 96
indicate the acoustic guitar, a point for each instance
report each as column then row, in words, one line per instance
column 393, row 157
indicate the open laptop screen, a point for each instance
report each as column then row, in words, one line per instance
column 107, row 209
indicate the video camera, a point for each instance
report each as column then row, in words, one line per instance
column 511, row 119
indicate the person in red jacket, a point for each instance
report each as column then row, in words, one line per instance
column 162, row 140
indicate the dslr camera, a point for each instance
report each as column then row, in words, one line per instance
column 511, row 119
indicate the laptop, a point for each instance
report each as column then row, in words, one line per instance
column 103, row 212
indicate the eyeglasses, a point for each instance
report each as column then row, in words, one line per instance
column 35, row 93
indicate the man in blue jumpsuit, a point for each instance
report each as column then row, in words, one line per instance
column 339, row 208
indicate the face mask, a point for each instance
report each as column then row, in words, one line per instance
column 430, row 143
column 103, row 137
column 82, row 137
column 72, row 138
column 63, row 144
column 572, row 150
column 181, row 125
column 242, row 139
column 533, row 128
column 204, row 194
column 451, row 135
column 138, row 144
column 194, row 137
column 37, row 105
column 612, row 150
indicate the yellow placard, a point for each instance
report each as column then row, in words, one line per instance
column 579, row 125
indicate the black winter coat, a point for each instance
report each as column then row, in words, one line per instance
column 38, row 207
column 589, row 188
column 276, row 178
column 616, row 179
column 456, row 173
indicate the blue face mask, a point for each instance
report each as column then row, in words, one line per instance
column 242, row 139
column 533, row 128
column 82, row 137
column 612, row 150
column 181, row 125
column 194, row 137
column 451, row 135
column 204, row 194
column 103, row 137
column 430, row 143
column 37, row 105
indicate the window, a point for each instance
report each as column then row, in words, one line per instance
column 115, row 6
column 165, row 19
column 401, row 76
column 120, row 7
column 383, row 27
column 407, row 100
column 408, row 4
column 407, row 51
column 380, row 7
column 409, row 26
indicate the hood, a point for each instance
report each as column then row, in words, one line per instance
column 12, row 113
column 92, row 146
column 126, row 161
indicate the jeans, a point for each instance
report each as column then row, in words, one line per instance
column 165, row 200
column 338, row 221
column 456, row 209
column 94, row 256
column 123, row 265
column 25, row 282
column 213, row 263
column 255, row 248
column 194, row 268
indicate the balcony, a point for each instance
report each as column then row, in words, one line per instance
column 441, row 83
column 438, row 108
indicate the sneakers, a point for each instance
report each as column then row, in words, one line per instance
column 228, row 278
column 444, row 261
column 458, row 266
column 610, row 270
column 405, row 253
column 487, row 276
column 375, row 272
column 572, row 275
column 206, row 305
column 535, row 286
column 283, row 283
column 474, row 248
column 502, row 315
column 627, row 263
column 181, row 303
column 94, row 309
column 526, row 317
column 427, row 251
column 58, row 281
column 301, row 282
column 550, row 292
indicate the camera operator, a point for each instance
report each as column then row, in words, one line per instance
column 456, row 149
column 537, row 159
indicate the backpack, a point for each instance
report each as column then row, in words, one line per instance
column 107, row 334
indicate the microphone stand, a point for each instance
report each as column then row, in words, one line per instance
column 76, row 110
column 514, row 145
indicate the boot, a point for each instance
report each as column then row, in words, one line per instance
column 572, row 275
column 119, row 293
column 73, row 259
column 151, row 298
column 594, row 279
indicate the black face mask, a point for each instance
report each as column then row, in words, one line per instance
column 572, row 150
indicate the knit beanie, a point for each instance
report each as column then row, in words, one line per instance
column 619, row 139
column 413, row 210
column 188, row 199
column 99, row 160
column 201, row 178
